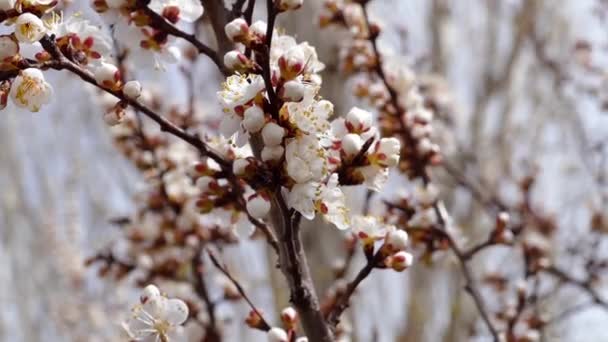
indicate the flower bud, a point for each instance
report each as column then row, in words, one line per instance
column 423, row 115
column 235, row 60
column 292, row 62
column 292, row 91
column 30, row 90
column 239, row 166
column 259, row 29
column 29, row 28
column 358, row 120
column 204, row 183
column 289, row 316
column 9, row 48
column 254, row 320
column 277, row 335
column 287, row 5
column 351, row 144
column 132, row 90
column 396, row 240
column 420, row 131
column 272, row 152
column 148, row 292
column 237, row 30
column 388, row 151
column 258, row 206
column 115, row 115
column 107, row 75
column 272, row 134
column 401, row 261
column 254, row 119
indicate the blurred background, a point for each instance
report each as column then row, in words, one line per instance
column 523, row 90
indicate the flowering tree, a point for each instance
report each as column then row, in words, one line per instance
column 277, row 156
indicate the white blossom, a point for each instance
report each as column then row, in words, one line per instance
column 368, row 228
column 310, row 115
column 156, row 318
column 301, row 198
column 30, row 90
column 305, row 159
column 331, row 202
column 239, row 90
column 29, row 28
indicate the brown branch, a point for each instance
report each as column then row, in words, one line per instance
column 160, row 23
column 212, row 333
column 294, row 265
column 581, row 284
column 59, row 62
column 342, row 303
column 420, row 171
column 222, row 268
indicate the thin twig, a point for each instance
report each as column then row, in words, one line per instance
column 222, row 268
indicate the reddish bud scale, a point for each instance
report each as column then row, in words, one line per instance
column 171, row 13
column 88, row 42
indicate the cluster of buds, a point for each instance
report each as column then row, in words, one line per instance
column 289, row 318
column 392, row 252
column 391, row 87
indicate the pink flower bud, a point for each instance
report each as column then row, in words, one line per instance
column 401, row 261
column 235, row 60
column 289, row 316
column 358, row 120
column 291, row 63
column 237, row 30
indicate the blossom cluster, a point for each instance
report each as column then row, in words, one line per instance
column 309, row 155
